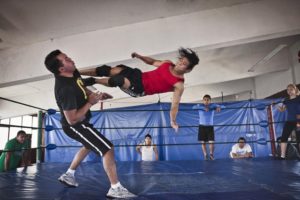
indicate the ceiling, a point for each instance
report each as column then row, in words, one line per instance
column 31, row 21
column 25, row 23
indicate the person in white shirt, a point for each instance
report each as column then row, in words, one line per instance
column 241, row 149
column 147, row 150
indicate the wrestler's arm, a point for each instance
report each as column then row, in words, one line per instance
column 149, row 60
column 178, row 91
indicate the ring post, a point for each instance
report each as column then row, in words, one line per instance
column 272, row 132
column 39, row 137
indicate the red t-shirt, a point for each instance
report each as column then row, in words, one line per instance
column 160, row 80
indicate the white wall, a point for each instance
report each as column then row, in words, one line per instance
column 295, row 60
column 272, row 83
column 196, row 93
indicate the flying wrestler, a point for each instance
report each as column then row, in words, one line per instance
column 166, row 77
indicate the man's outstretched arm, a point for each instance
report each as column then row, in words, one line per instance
column 148, row 60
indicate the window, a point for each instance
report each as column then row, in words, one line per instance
column 16, row 121
column 13, row 132
column 34, row 132
column 34, row 138
column 4, row 136
column 4, row 121
column 26, row 121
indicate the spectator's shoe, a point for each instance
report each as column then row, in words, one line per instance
column 211, row 157
column 206, row 157
column 68, row 179
column 119, row 192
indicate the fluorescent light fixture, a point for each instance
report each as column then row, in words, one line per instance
column 267, row 57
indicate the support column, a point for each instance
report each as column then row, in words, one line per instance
column 39, row 137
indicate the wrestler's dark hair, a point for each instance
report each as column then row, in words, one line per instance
column 21, row 132
column 207, row 96
column 190, row 55
column 52, row 63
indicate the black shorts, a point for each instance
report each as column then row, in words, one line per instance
column 206, row 133
column 134, row 76
column 288, row 127
column 87, row 135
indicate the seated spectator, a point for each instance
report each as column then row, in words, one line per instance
column 14, row 152
column 147, row 150
column 241, row 149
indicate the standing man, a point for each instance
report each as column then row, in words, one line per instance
column 15, row 150
column 147, row 150
column 74, row 102
column 206, row 132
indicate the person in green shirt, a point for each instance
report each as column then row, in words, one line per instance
column 15, row 150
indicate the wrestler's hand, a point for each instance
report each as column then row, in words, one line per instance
column 175, row 126
column 105, row 96
column 135, row 55
column 94, row 98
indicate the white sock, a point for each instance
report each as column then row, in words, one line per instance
column 114, row 186
column 71, row 171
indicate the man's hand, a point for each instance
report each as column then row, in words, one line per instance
column 281, row 108
column 298, row 122
column 104, row 96
column 175, row 126
column 298, row 126
column 94, row 98
column 206, row 108
column 218, row 109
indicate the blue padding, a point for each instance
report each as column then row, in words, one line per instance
column 49, row 128
column 260, row 106
column 263, row 123
column 51, row 111
column 239, row 113
column 51, row 146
